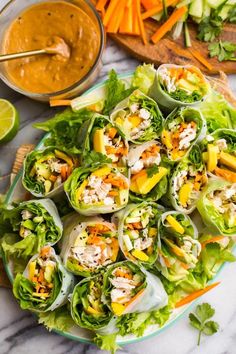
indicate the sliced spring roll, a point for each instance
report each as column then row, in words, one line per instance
column 217, row 207
column 95, row 190
column 177, row 86
column 45, row 171
column 88, row 244
column 98, row 134
column 128, row 288
column 45, row 283
column 220, row 155
column 138, row 117
column 138, row 233
column 178, row 248
column 87, row 308
column 183, row 128
column 187, row 182
column 34, row 224
column 148, row 172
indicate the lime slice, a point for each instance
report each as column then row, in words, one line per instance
column 9, row 121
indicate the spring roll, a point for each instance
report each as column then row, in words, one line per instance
column 45, row 171
column 33, row 224
column 89, row 244
column 45, row 284
column 138, row 117
column 95, row 190
column 178, row 86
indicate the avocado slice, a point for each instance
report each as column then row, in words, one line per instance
column 28, row 224
column 42, row 170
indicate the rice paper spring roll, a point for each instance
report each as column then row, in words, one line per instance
column 94, row 190
column 217, row 207
column 128, row 288
column 177, row 86
column 138, row 233
column 187, row 182
column 148, row 172
column 45, row 171
column 99, row 134
column 183, row 128
column 45, row 284
column 138, row 117
column 178, row 248
column 89, row 244
column 87, row 308
column 33, row 224
column 220, row 154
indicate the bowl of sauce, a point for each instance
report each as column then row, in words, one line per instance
column 72, row 27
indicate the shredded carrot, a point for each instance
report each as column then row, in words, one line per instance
column 137, row 225
column 140, row 21
column 110, row 11
column 64, row 173
column 120, row 273
column 113, row 193
column 226, row 174
column 167, row 26
column 52, row 178
column 41, row 276
column 134, row 297
column 45, row 251
column 195, row 295
column 200, row 58
column 212, row 240
column 114, row 23
column 112, row 132
column 158, row 8
column 57, row 103
column 139, row 174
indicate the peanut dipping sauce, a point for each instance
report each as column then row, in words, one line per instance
column 44, row 25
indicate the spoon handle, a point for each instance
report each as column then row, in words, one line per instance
column 12, row 56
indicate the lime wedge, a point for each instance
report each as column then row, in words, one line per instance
column 9, row 121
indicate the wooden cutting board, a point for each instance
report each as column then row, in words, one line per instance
column 170, row 51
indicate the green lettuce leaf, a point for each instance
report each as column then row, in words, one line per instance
column 107, row 342
column 115, row 92
column 218, row 112
column 144, row 77
column 213, row 256
column 59, row 319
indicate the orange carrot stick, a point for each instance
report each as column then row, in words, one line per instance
column 101, row 5
column 134, row 297
column 158, row 8
column 114, row 23
column 109, row 12
column 167, row 26
column 136, row 29
column 200, row 58
column 149, row 4
column 57, row 103
column 226, row 174
column 140, row 21
column 195, row 295
column 212, row 240
column 126, row 25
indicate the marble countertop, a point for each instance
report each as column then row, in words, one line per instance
column 19, row 332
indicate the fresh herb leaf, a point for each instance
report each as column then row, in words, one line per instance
column 232, row 14
column 199, row 321
column 152, row 170
column 92, row 158
column 223, row 50
column 115, row 92
column 210, row 27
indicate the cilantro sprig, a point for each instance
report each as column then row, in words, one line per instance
column 199, row 320
column 223, row 50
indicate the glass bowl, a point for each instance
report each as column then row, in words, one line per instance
column 12, row 9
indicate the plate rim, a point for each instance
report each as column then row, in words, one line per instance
column 67, row 334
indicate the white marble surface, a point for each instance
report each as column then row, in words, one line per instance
column 19, row 332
